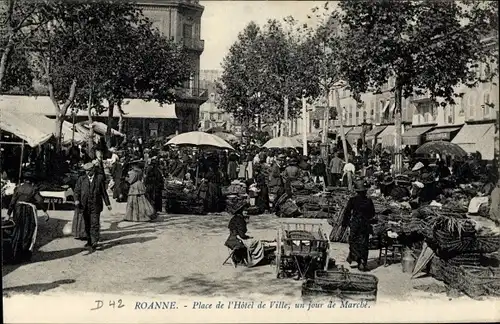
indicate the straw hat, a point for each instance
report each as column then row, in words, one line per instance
column 88, row 166
column 418, row 166
column 238, row 209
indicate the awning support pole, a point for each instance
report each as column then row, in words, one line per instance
column 21, row 163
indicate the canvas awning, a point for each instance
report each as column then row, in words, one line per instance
column 133, row 108
column 25, row 127
column 66, row 131
column 101, row 128
column 414, row 135
column 387, row 136
column 372, row 134
column 442, row 133
column 477, row 138
column 354, row 134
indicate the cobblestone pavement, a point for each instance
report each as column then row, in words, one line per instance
column 179, row 255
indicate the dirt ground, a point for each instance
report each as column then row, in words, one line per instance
column 177, row 255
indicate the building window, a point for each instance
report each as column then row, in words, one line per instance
column 486, row 105
column 471, row 107
column 187, row 31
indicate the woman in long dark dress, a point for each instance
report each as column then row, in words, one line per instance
column 154, row 183
column 233, row 167
column 209, row 191
column 245, row 248
column 262, row 200
column 358, row 215
column 25, row 219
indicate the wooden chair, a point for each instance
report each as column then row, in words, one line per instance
column 389, row 247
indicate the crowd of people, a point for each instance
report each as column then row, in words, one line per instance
column 135, row 173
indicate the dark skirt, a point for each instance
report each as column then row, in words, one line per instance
column 120, row 190
column 78, row 226
column 359, row 243
column 24, row 233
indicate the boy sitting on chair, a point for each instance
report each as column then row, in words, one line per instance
column 244, row 248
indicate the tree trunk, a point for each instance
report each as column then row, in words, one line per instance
column 90, row 140
column 111, row 109
column 285, row 125
column 398, row 158
column 342, row 136
column 120, row 120
column 4, row 60
column 58, row 130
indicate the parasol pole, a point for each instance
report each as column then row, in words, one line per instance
column 21, row 163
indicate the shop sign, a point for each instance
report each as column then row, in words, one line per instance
column 438, row 136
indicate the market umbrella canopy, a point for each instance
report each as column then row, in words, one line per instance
column 282, row 142
column 199, row 139
column 442, row 148
column 227, row 136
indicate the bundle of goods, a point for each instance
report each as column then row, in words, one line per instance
column 455, row 234
column 182, row 201
column 479, row 281
column 235, row 200
column 342, row 284
column 339, row 232
column 235, row 188
column 235, row 193
column 286, row 207
column 459, row 244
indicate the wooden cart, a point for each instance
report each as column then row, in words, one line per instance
column 302, row 248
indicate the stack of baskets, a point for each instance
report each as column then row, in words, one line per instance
column 459, row 261
column 342, row 284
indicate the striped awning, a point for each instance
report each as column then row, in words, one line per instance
column 354, row 134
column 387, row 136
column 372, row 134
column 414, row 136
column 477, row 138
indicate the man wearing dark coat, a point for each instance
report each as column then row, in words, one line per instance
column 358, row 215
column 90, row 192
column 154, row 183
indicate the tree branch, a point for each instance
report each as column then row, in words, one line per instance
column 71, row 98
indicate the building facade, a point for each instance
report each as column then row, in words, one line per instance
column 180, row 20
column 210, row 114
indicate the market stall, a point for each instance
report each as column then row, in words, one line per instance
column 184, row 196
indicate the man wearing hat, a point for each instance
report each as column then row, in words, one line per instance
column 358, row 215
column 90, row 192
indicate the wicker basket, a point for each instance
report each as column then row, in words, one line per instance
column 312, row 288
column 346, row 281
column 471, row 259
column 480, row 281
column 488, row 244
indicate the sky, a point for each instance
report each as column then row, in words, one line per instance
column 222, row 21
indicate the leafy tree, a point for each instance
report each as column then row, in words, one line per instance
column 289, row 70
column 19, row 19
column 424, row 45
column 105, row 51
column 241, row 80
column 19, row 75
